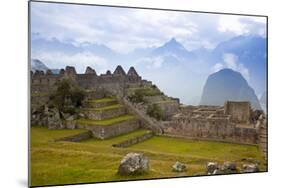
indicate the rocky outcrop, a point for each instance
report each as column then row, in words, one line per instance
column 228, row 85
column 46, row 116
column 133, row 163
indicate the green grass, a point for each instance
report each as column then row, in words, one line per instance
column 102, row 100
column 105, row 122
column 97, row 161
column 110, row 107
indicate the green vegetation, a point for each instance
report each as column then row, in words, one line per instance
column 110, row 107
column 102, row 100
column 138, row 94
column 67, row 94
column 97, row 161
column 105, row 122
column 155, row 111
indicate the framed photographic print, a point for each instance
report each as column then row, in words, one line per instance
column 132, row 93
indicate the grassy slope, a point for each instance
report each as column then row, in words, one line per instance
column 105, row 122
column 97, row 161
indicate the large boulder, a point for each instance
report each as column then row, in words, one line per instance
column 179, row 167
column 212, row 168
column 133, row 163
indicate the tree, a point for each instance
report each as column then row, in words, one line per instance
column 155, row 111
column 67, row 94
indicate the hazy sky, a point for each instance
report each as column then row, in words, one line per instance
column 125, row 29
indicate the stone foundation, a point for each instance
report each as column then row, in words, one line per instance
column 105, row 114
column 135, row 140
column 107, row 131
column 78, row 137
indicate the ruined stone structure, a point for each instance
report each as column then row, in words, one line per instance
column 231, row 123
column 115, row 83
column 234, row 122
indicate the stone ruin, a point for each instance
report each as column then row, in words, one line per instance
column 114, row 83
column 234, row 122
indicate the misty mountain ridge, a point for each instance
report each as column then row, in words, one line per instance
column 171, row 60
column 228, row 85
column 36, row 64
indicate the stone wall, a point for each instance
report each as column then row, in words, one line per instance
column 104, row 114
column 115, row 83
column 169, row 108
column 135, row 140
column 240, row 111
column 78, row 137
column 108, row 131
column 215, row 127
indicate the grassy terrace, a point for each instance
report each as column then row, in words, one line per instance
column 97, row 161
column 106, row 122
column 102, row 100
column 110, row 107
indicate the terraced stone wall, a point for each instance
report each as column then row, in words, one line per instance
column 107, row 131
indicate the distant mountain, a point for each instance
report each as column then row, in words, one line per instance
column 227, row 84
column 36, row 64
column 54, row 45
column 251, row 52
column 263, row 101
column 173, row 48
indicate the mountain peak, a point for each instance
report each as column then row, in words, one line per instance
column 225, row 85
column 173, row 41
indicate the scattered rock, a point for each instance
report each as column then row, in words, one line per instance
column 228, row 168
column 133, row 163
column 212, row 167
column 179, row 167
column 81, row 115
column 251, row 160
column 249, row 168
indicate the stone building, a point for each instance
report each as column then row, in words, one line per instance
column 228, row 123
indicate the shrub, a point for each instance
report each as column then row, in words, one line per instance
column 139, row 94
column 155, row 111
column 67, row 93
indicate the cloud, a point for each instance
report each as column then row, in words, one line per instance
column 124, row 29
column 242, row 25
column 151, row 62
column 231, row 61
column 80, row 61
